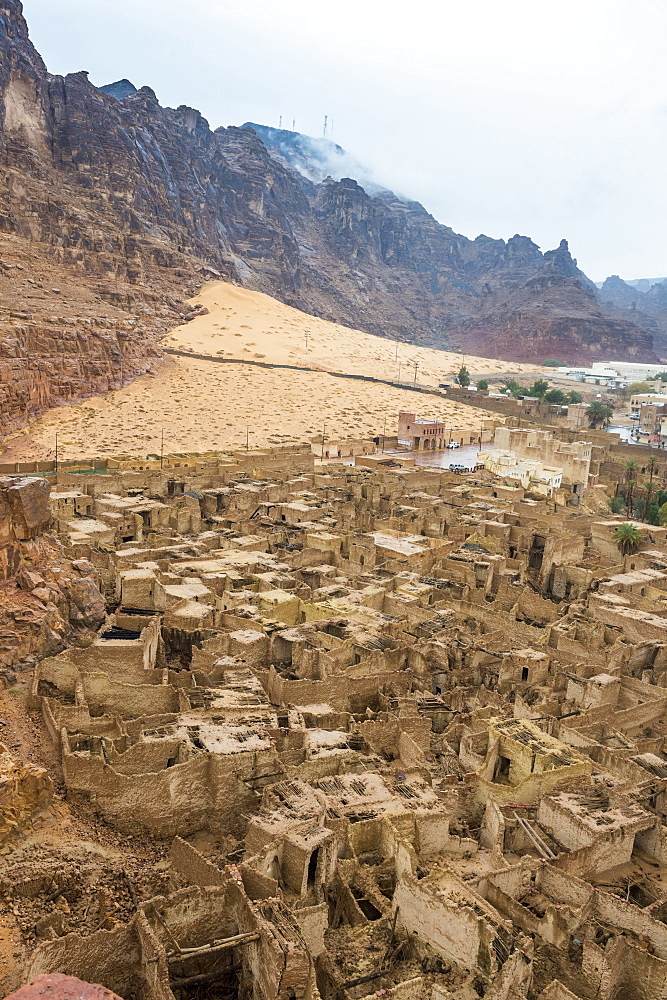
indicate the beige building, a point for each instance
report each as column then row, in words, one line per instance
column 534, row 476
column 574, row 458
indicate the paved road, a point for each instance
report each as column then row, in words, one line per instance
column 443, row 459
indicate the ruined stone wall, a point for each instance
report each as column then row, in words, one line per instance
column 187, row 860
column 205, row 792
column 342, row 693
column 450, row 928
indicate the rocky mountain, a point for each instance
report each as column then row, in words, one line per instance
column 113, row 208
column 643, row 284
column 646, row 301
column 119, row 89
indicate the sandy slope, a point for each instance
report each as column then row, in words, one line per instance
column 204, row 405
column 247, row 324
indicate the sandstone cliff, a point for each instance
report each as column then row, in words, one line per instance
column 116, row 208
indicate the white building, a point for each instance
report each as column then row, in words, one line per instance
column 532, row 475
column 613, row 373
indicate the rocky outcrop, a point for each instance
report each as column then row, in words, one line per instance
column 46, row 600
column 26, row 791
column 116, row 208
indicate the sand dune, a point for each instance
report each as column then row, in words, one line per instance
column 204, row 405
column 246, row 324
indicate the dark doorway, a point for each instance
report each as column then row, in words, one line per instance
column 502, row 771
column 312, row 867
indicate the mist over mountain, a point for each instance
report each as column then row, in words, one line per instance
column 316, row 159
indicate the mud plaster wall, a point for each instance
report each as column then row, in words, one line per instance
column 112, row 958
column 553, row 927
column 624, row 972
column 573, row 833
column 206, row 792
column 451, row 929
column 129, row 701
column 187, row 860
column 353, row 694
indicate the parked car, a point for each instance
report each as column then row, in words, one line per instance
column 453, row 444
column 458, row 468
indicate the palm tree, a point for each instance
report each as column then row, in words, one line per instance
column 629, row 495
column 652, row 465
column 631, row 468
column 628, row 538
column 649, row 487
column 598, row 413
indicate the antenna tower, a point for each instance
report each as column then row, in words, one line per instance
column 324, row 130
column 293, row 124
column 280, row 122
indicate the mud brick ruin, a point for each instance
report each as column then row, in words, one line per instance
column 400, row 734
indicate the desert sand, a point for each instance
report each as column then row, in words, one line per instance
column 250, row 325
column 204, row 405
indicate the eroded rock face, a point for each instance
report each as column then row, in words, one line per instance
column 26, row 506
column 26, row 791
column 115, row 208
column 45, row 599
column 59, row 987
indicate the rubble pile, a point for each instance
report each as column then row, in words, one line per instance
column 389, row 732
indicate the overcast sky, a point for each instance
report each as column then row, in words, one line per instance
column 500, row 116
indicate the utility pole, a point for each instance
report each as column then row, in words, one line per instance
column 280, row 122
column 293, row 124
column 56, row 469
column 384, row 431
column 162, row 449
column 307, row 335
column 324, row 432
column 416, row 367
column 324, row 129
column 396, row 350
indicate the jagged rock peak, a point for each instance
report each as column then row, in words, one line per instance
column 564, row 260
column 120, row 89
column 11, row 8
